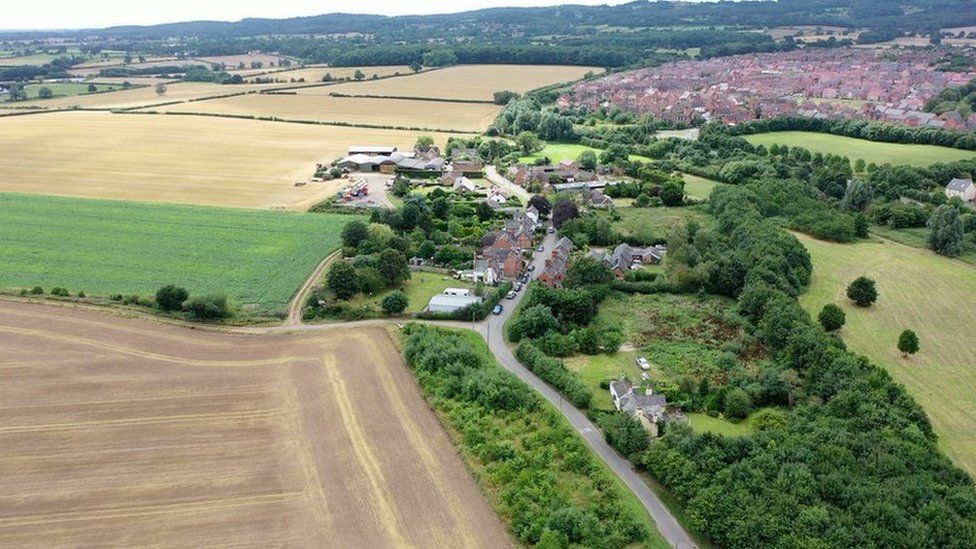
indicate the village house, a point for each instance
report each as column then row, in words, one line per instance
column 626, row 257
column 961, row 188
column 554, row 271
column 597, row 199
column 647, row 408
column 483, row 272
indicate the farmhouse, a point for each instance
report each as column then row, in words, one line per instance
column 449, row 303
column 647, row 408
column 961, row 188
column 484, row 271
column 597, row 199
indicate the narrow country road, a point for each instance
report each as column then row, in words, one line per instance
column 503, row 183
column 491, row 329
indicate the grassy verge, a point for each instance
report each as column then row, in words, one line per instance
column 256, row 258
column 536, row 472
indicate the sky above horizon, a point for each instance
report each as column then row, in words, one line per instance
column 70, row 14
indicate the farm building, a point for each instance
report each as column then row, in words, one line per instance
column 371, row 150
column 447, row 303
column 961, row 188
column 626, row 257
column 649, row 409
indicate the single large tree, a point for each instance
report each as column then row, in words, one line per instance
column 171, row 298
column 393, row 266
column 342, row 279
column 541, row 203
column 908, row 343
column 354, row 233
column 862, row 291
column 946, row 231
column 161, row 89
column 563, row 211
column 395, row 303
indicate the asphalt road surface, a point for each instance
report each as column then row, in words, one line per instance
column 493, row 331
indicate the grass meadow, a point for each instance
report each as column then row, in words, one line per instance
column 918, row 290
column 870, row 151
column 557, row 152
column 419, row 289
column 699, row 188
column 257, row 258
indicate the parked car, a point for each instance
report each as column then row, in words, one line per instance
column 511, row 294
column 518, row 287
column 541, row 248
column 531, row 268
column 497, row 310
column 643, row 364
column 646, row 376
column 552, row 230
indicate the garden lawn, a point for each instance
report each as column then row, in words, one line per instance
column 869, row 151
column 419, row 289
column 557, row 152
column 918, row 290
column 703, row 423
column 257, row 258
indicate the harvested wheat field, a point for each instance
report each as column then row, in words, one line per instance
column 456, row 117
column 180, row 159
column 315, row 74
column 469, row 82
column 118, row 432
column 232, row 61
column 134, row 80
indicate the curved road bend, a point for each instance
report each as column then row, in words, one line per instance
column 492, row 330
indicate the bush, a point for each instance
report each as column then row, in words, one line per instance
column 395, row 303
column 207, row 307
column 862, row 291
column 60, row 292
column 738, row 404
column 171, row 298
column 831, row 317
column 37, row 290
column 532, row 322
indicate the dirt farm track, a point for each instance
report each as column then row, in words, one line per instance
column 125, row 432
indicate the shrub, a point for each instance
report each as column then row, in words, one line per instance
column 60, row 292
column 738, row 403
column 862, row 291
column 171, row 298
column 532, row 322
column 831, row 317
column 207, row 307
column 395, row 303
column 37, row 290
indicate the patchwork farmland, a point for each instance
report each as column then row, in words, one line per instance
column 258, row 259
column 145, row 96
column 315, row 74
column 456, row 117
column 117, row 431
column 183, row 159
column 466, row 82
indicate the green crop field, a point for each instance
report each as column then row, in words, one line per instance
column 67, row 89
column 257, row 258
column 918, row 290
column 870, row 151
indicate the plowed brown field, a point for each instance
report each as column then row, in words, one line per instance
column 124, row 432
